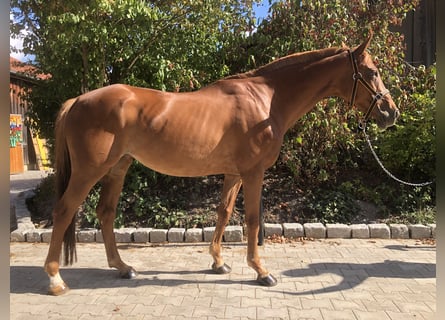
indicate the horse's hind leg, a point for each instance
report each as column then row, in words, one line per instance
column 106, row 212
column 231, row 188
column 63, row 214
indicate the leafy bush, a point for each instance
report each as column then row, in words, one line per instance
column 332, row 206
column 321, row 144
column 323, row 152
column 160, row 201
column 409, row 148
column 323, row 149
column 42, row 203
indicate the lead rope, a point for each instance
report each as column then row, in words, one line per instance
column 423, row 184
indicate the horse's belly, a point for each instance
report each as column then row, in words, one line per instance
column 186, row 165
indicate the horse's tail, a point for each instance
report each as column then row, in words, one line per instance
column 63, row 174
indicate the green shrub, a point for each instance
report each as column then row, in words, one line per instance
column 160, row 201
column 409, row 148
column 320, row 144
column 332, row 206
column 323, row 152
column 42, row 203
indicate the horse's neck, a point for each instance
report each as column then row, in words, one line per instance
column 297, row 91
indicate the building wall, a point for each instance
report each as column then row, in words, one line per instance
column 419, row 29
column 18, row 105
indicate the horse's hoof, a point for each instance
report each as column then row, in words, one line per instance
column 224, row 269
column 58, row 290
column 130, row 274
column 267, row 281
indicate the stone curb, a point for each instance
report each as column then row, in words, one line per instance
column 236, row 233
column 26, row 232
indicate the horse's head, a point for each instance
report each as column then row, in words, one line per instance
column 369, row 93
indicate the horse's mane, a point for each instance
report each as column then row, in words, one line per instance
column 291, row 60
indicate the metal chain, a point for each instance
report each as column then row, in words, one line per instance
column 423, row 184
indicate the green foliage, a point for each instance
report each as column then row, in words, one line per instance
column 42, row 202
column 409, row 149
column 332, row 206
column 151, row 199
column 183, row 45
column 320, row 144
column 323, row 141
column 324, row 147
column 168, row 45
column 89, row 208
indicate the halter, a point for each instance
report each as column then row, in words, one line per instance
column 377, row 96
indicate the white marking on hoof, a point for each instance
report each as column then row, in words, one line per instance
column 55, row 281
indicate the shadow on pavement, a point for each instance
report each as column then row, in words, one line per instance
column 354, row 274
column 32, row 279
column 410, row 248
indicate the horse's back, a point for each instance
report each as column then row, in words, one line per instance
column 185, row 134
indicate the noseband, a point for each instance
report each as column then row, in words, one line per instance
column 377, row 96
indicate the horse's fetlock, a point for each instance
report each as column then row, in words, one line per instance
column 52, row 268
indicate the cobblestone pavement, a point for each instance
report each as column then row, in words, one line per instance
column 321, row 279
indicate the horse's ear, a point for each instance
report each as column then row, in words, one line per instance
column 358, row 51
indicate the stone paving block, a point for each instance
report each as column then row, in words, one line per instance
column 233, row 234
column 193, row 235
column 315, row 230
column 271, row 229
column 18, row 235
column 158, row 235
column 208, row 233
column 123, row 235
column 371, row 315
column 293, row 230
column 379, row 230
column 34, row 235
column 176, row 234
column 46, row 235
column 399, row 231
column 419, row 231
column 359, row 231
column 376, row 289
column 99, row 237
column 338, row 230
column 433, row 229
column 142, row 235
column 87, row 235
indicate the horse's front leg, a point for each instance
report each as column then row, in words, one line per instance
column 231, row 188
column 112, row 185
column 252, row 185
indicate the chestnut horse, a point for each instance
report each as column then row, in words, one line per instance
column 234, row 127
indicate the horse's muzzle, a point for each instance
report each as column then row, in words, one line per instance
column 387, row 115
